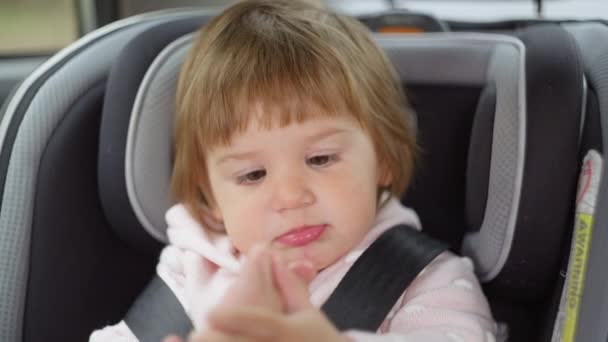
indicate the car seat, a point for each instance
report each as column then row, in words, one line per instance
column 592, row 43
column 85, row 158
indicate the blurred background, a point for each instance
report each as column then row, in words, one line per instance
column 33, row 30
column 40, row 27
column 35, row 26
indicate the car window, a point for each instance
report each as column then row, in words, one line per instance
column 34, row 27
column 131, row 7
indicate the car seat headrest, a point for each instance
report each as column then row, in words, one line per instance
column 148, row 162
column 124, row 80
column 476, row 60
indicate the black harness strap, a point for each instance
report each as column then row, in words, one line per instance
column 379, row 277
column 158, row 313
column 361, row 301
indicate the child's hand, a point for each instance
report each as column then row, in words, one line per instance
column 268, row 302
column 256, row 324
column 207, row 336
column 298, row 320
column 260, row 281
column 254, row 286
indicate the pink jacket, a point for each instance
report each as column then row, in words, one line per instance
column 444, row 303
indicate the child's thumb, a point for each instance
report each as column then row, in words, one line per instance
column 304, row 270
column 292, row 283
column 172, row 338
column 255, row 284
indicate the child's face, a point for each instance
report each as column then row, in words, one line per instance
column 309, row 189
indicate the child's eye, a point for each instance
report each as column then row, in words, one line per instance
column 251, row 177
column 322, row 160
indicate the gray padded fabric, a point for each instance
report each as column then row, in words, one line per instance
column 460, row 59
column 464, row 59
column 148, row 155
column 489, row 248
column 592, row 40
column 81, row 72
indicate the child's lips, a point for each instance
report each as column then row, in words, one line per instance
column 301, row 236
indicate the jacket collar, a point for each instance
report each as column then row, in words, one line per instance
column 186, row 233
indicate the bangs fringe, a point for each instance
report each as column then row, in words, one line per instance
column 282, row 62
column 282, row 78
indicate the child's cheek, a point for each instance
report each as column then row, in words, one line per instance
column 244, row 225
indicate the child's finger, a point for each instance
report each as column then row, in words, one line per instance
column 214, row 336
column 293, row 289
column 248, row 322
column 303, row 269
column 244, row 288
column 254, row 286
column 172, row 338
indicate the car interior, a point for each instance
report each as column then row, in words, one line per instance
column 506, row 113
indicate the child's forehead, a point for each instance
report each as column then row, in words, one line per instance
column 253, row 117
column 283, row 112
column 305, row 124
column 264, row 114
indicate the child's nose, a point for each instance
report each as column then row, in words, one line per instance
column 291, row 192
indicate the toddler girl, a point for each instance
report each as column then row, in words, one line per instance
column 293, row 143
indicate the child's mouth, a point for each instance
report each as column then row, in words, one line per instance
column 302, row 236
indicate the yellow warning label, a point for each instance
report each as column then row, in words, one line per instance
column 576, row 278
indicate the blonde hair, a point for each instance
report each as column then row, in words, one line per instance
column 289, row 55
